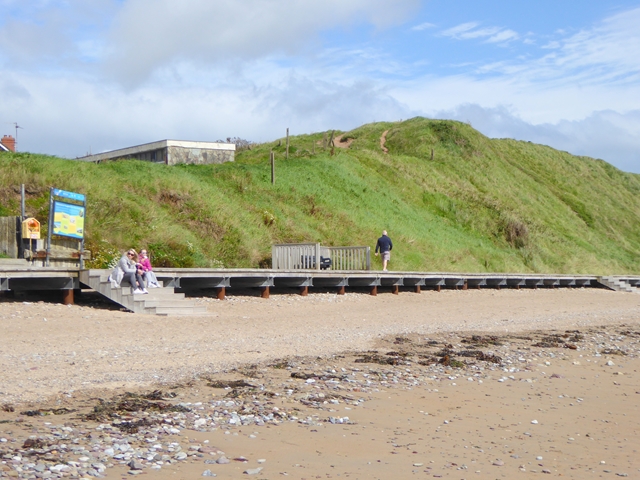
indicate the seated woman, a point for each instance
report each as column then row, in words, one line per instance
column 148, row 275
column 128, row 269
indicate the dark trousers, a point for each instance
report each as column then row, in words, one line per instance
column 135, row 279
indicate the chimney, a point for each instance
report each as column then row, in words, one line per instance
column 9, row 142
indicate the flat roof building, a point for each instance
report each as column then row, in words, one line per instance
column 171, row 152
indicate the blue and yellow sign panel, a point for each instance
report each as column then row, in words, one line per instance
column 68, row 220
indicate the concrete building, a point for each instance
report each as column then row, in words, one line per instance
column 171, row 152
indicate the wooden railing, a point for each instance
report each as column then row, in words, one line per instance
column 350, row 258
column 304, row 256
column 295, row 256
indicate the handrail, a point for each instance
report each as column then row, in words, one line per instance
column 350, row 258
column 295, row 256
column 304, row 256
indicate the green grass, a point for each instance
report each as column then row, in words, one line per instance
column 479, row 205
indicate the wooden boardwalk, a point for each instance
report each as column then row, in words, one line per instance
column 221, row 279
column 18, row 275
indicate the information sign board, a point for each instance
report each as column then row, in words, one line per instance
column 68, row 220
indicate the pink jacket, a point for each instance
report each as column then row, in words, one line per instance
column 146, row 264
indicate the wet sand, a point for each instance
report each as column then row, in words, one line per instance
column 457, row 384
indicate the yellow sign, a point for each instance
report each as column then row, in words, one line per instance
column 31, row 229
column 68, row 220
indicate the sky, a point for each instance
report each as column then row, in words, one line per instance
column 87, row 76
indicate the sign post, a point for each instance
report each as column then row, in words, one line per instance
column 67, row 211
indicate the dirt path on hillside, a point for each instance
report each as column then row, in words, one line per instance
column 340, row 143
column 383, row 140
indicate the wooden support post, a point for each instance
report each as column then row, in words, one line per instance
column 438, row 288
column 287, row 143
column 342, row 290
column 417, row 289
column 264, row 292
column 395, row 289
column 272, row 158
column 67, row 297
column 374, row 290
column 517, row 287
column 220, row 293
column 465, row 286
column 304, row 291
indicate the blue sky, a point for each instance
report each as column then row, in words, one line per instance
column 86, row 76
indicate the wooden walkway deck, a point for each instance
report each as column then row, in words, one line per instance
column 221, row 279
column 19, row 275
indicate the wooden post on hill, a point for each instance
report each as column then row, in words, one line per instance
column 287, row 156
column 432, row 154
column 332, row 143
column 272, row 158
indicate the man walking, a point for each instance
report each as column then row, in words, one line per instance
column 384, row 245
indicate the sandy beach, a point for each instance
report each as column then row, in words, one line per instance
column 456, row 384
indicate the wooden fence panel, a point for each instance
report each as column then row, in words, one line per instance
column 295, row 256
column 350, row 258
column 302, row 256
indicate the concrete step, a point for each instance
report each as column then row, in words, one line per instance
column 150, row 302
column 617, row 284
column 14, row 262
column 164, row 293
column 177, row 310
column 105, row 278
column 159, row 301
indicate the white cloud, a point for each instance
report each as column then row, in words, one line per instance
column 468, row 31
column 149, row 35
column 422, row 26
column 46, row 35
column 503, row 36
column 458, row 30
column 97, row 117
column 593, row 70
column 606, row 54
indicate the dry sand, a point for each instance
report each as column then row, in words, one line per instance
column 520, row 399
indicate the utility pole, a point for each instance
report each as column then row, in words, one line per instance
column 17, row 127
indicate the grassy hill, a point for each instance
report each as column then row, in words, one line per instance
column 451, row 199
